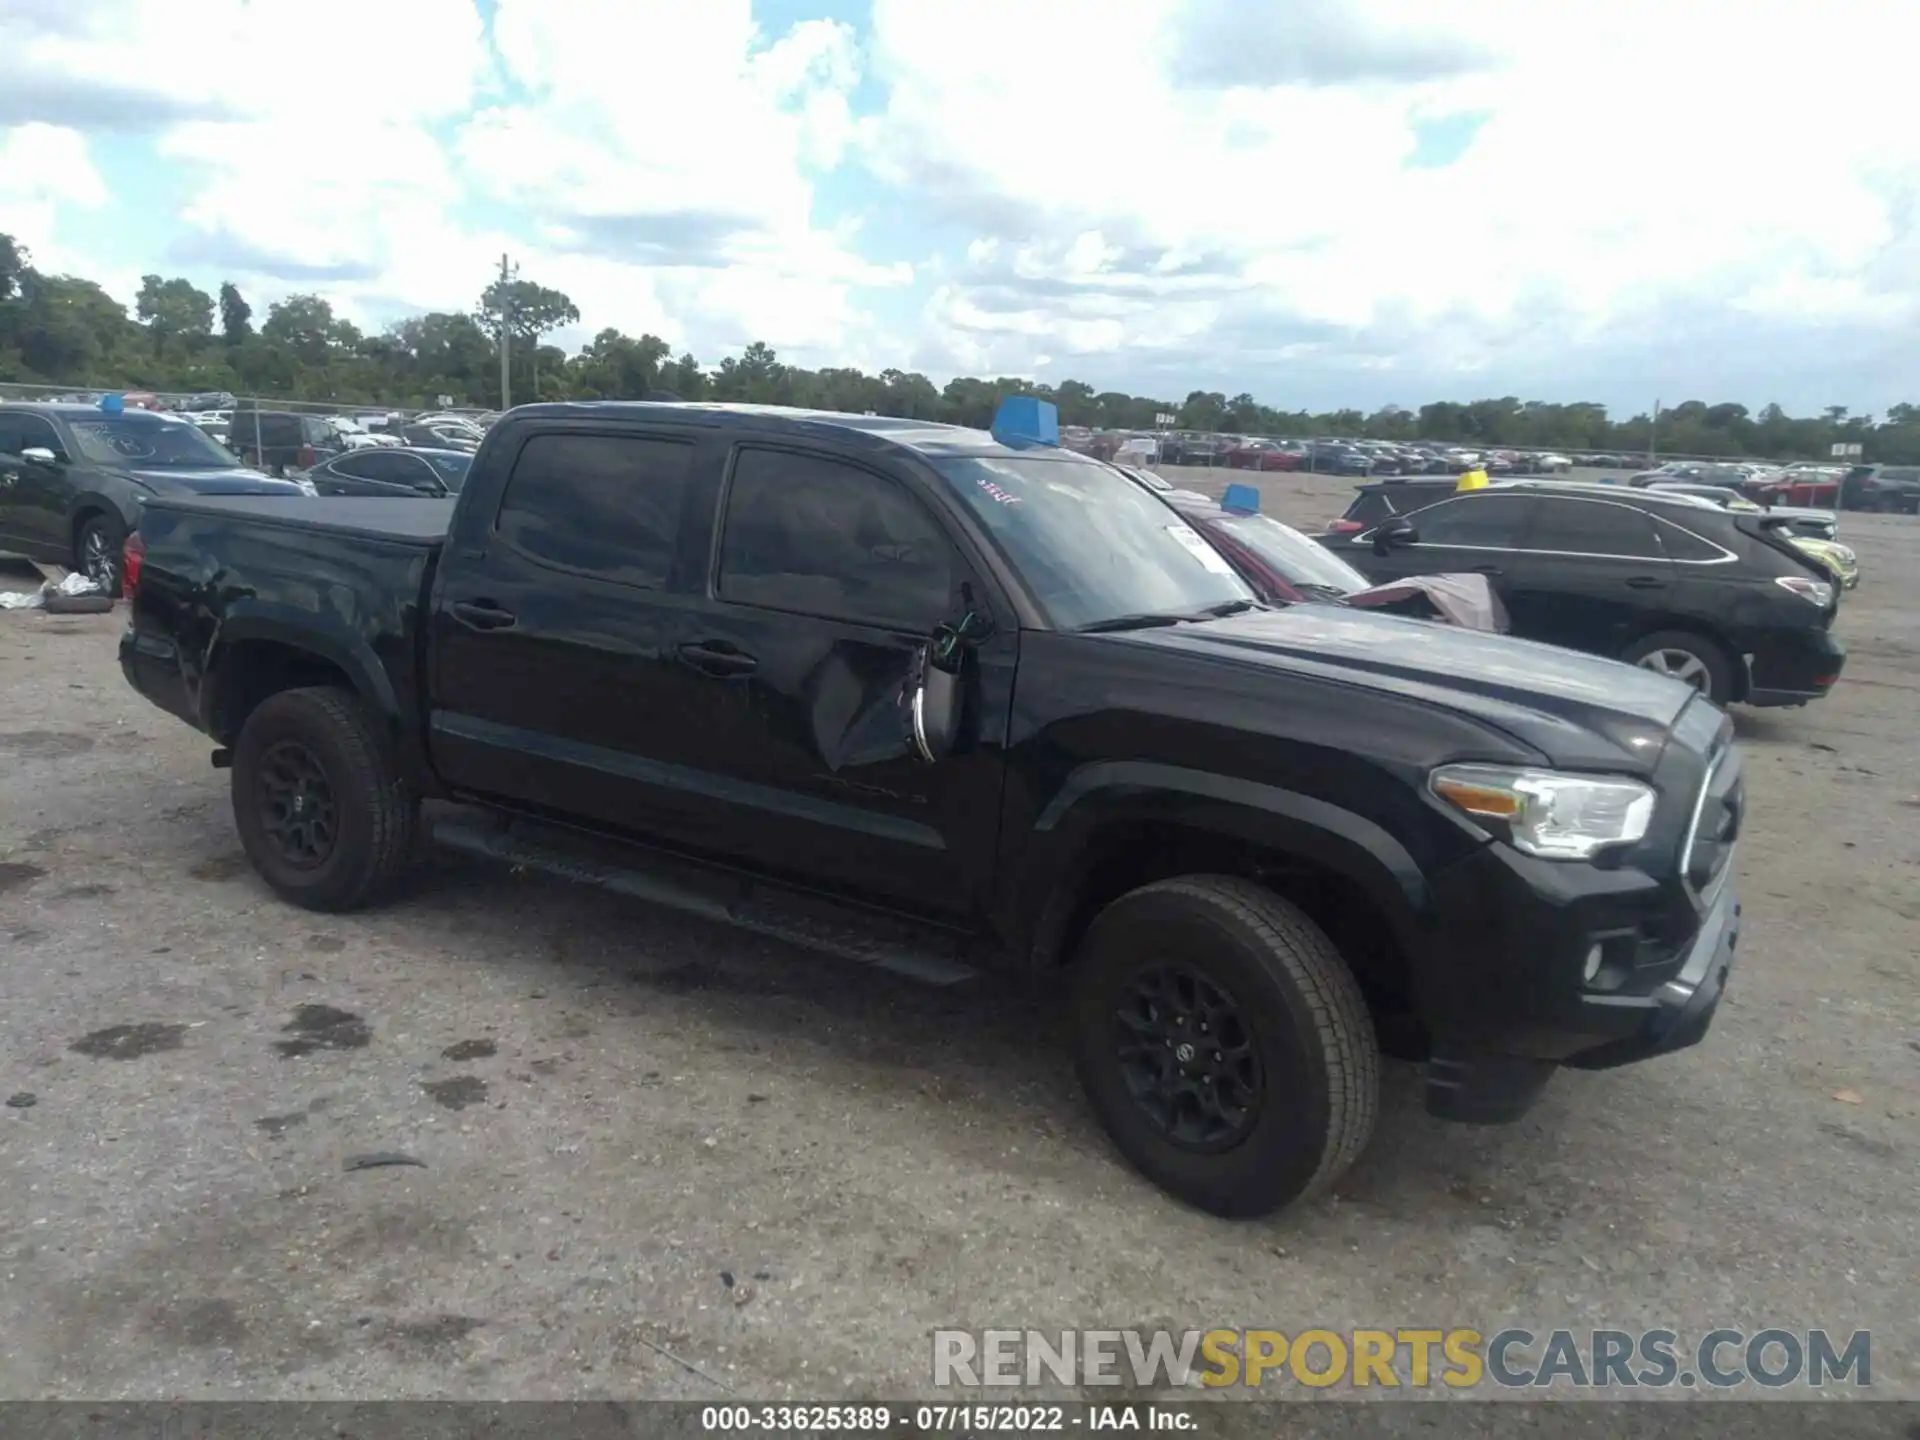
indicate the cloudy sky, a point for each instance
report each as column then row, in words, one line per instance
column 1323, row 202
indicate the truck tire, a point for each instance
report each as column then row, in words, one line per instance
column 1689, row 657
column 1285, row 1105
column 322, row 813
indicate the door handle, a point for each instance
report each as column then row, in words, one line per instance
column 1646, row 582
column 482, row 615
column 718, row 659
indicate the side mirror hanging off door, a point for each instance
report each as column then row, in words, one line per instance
column 933, row 692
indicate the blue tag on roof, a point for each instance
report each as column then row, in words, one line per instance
column 112, row 404
column 1026, row 420
column 1242, row 498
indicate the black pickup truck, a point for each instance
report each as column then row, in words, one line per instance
column 943, row 699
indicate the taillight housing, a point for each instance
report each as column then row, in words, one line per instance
column 309, row 457
column 131, row 556
column 1345, row 527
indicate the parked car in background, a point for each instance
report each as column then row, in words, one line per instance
column 411, row 472
column 1667, row 582
column 1287, row 568
column 357, row 435
column 1266, row 455
column 1332, row 457
column 277, row 441
column 1881, row 487
column 1801, row 487
column 436, row 437
column 73, row 479
column 1812, row 531
column 1386, row 498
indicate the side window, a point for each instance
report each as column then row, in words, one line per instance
column 389, row 467
column 353, row 465
column 1480, row 521
column 1593, row 527
column 823, row 538
column 607, row 505
column 1681, row 543
column 1899, row 472
column 1369, row 509
column 23, row 432
column 35, row 431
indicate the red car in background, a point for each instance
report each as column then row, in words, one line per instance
column 1814, row 489
column 1267, row 455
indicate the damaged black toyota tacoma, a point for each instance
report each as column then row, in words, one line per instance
column 942, row 700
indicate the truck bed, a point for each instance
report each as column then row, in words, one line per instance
column 404, row 522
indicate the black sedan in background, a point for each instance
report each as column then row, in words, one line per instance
column 411, row 472
column 1667, row 582
column 72, row 478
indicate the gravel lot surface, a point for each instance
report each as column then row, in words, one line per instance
column 662, row 1159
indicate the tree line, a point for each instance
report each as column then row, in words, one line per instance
column 65, row 330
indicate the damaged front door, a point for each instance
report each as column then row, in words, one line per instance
column 829, row 580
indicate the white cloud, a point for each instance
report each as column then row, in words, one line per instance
column 1635, row 156
column 1147, row 192
column 42, row 169
column 698, row 167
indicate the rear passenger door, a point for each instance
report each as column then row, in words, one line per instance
column 1587, row 574
column 828, row 575
column 558, row 681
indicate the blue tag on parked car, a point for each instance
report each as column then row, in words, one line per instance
column 1243, row 498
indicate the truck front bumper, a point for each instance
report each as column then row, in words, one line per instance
column 1485, row 1082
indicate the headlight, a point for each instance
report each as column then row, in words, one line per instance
column 1544, row 813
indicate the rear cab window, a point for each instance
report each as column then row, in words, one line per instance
column 609, row 506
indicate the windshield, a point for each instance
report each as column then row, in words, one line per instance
column 1093, row 545
column 452, row 469
column 1299, row 560
column 126, row 442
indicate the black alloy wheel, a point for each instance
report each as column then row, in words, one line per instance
column 298, row 815
column 1188, row 1056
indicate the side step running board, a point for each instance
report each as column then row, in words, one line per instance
column 757, row 906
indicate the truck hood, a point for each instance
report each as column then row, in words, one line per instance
column 1577, row 710
column 236, row 481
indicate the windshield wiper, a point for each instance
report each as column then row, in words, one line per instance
column 1145, row 621
column 1319, row 591
column 1231, row 607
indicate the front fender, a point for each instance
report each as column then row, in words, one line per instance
column 1108, row 793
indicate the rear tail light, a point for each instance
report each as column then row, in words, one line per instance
column 308, row 457
column 1345, row 527
column 1813, row 591
column 131, row 556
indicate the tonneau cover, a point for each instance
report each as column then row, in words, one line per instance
column 406, row 522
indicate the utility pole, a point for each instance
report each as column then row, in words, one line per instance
column 1652, row 431
column 508, row 272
